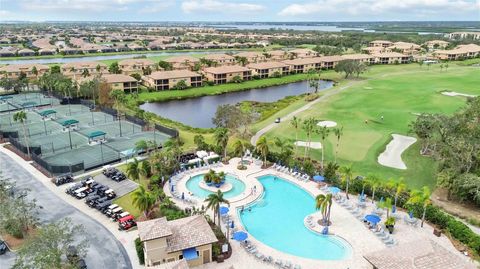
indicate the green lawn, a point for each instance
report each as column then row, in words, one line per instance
column 396, row 92
column 159, row 96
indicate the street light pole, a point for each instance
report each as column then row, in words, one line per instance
column 70, row 136
column 101, row 150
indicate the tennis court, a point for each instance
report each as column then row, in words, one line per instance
column 69, row 135
column 25, row 100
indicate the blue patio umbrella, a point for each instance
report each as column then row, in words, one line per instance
column 172, row 189
column 224, row 210
column 232, row 225
column 318, row 178
column 325, row 231
column 334, row 190
column 394, row 209
column 411, row 214
column 372, row 218
column 183, row 196
column 240, row 236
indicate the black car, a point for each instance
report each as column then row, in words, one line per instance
column 3, row 247
column 102, row 206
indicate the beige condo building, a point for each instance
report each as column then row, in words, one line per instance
column 166, row 80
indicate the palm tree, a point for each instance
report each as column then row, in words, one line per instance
column 324, row 132
column 145, row 169
column 398, row 186
column 213, row 202
column 133, row 169
column 21, row 116
column 338, row 134
column 221, row 137
column 387, row 204
column 262, row 148
column 347, row 174
column 239, row 149
column 309, row 127
column 120, row 100
column 286, row 148
column 143, row 200
column 295, row 122
column 374, row 182
column 421, row 197
column 85, row 73
column 324, row 203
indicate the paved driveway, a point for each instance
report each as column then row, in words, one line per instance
column 104, row 252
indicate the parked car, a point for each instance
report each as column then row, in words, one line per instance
column 120, row 215
column 60, row 180
column 71, row 190
column 277, row 120
column 80, row 193
column 3, row 247
column 113, row 212
column 126, row 223
column 110, row 194
column 119, row 176
column 103, row 205
column 109, row 208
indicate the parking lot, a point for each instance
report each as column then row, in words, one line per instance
column 121, row 188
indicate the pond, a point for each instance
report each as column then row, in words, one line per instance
column 108, row 57
column 199, row 111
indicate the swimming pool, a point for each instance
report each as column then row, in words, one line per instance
column 237, row 186
column 277, row 221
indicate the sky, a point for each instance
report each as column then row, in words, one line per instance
column 240, row 10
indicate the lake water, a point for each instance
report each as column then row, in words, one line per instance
column 107, row 57
column 198, row 112
column 323, row 28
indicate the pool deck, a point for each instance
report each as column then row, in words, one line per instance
column 344, row 224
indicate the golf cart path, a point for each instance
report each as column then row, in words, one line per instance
column 109, row 248
column 271, row 126
column 448, row 93
column 392, row 156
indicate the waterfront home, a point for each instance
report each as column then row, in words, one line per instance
column 70, row 51
column 303, row 65
column 47, row 51
column 405, row 48
column 8, row 51
column 14, row 70
column 26, row 52
column 252, row 56
column 277, row 55
column 220, row 59
column 166, row 80
column 225, row 74
column 380, row 43
column 364, row 58
column 121, row 82
column 80, row 68
column 329, row 62
column 372, row 50
column 138, row 66
column 391, row 58
column 436, row 44
column 183, row 62
column 463, row 35
column 135, row 47
column 189, row 239
column 303, row 53
column 269, row 69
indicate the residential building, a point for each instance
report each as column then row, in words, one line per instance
column 278, row 55
column 436, row 44
column 78, row 69
column 26, row 52
column 459, row 53
column 391, row 58
column 405, row 48
column 225, row 74
column 329, row 62
column 463, row 35
column 183, row 62
column 221, row 59
column 189, row 238
column 380, row 43
column 47, row 51
column 372, row 50
column 8, row 51
column 364, row 58
column 252, row 56
column 166, row 80
column 303, row 65
column 121, row 82
column 14, row 70
column 303, row 53
column 138, row 66
column 269, row 69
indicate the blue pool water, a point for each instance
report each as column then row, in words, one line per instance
column 277, row 221
column 193, row 186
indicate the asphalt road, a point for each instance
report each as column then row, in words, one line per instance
column 105, row 250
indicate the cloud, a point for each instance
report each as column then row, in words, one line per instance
column 157, row 6
column 192, row 6
column 79, row 5
column 374, row 7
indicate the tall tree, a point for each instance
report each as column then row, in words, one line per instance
column 398, row 186
column 263, row 149
column 239, row 149
column 143, row 200
column 295, row 123
column 323, row 132
column 133, row 169
column 114, row 68
column 324, row 203
column 338, row 134
column 347, row 173
column 421, row 197
column 21, row 116
column 374, row 182
column 309, row 128
column 221, row 138
column 213, row 202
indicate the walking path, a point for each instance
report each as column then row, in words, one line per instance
column 270, row 126
column 109, row 247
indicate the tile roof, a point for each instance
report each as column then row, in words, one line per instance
column 23, row 67
column 389, row 55
column 267, row 65
column 226, row 69
column 357, row 56
column 138, row 62
column 189, row 232
column 116, row 78
column 152, row 229
column 173, row 74
column 80, row 65
column 333, row 58
column 303, row 61
column 182, row 59
column 220, row 56
column 420, row 254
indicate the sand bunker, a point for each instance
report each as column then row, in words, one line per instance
column 457, row 94
column 313, row 145
column 327, row 123
column 392, row 156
